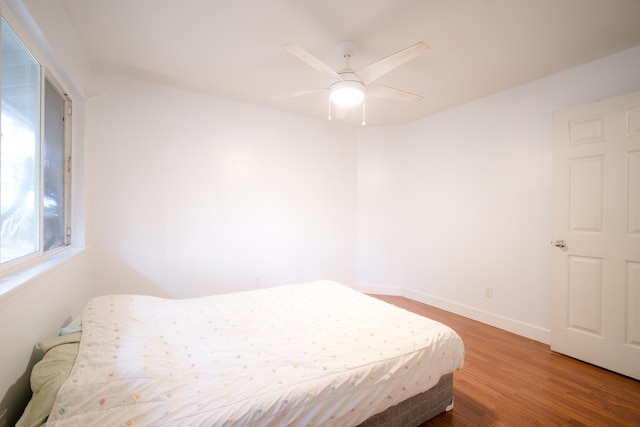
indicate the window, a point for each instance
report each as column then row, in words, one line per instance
column 34, row 159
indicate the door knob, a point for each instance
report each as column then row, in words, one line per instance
column 560, row 244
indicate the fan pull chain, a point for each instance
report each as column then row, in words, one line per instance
column 329, row 108
column 363, row 112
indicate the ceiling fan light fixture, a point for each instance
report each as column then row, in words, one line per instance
column 347, row 93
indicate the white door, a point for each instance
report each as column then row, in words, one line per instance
column 596, row 275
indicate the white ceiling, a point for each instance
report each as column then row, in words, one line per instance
column 233, row 48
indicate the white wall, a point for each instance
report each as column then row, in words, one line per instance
column 380, row 252
column 475, row 198
column 53, row 31
column 193, row 195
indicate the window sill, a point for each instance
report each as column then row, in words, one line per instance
column 20, row 277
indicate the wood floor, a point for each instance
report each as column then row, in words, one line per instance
column 509, row 380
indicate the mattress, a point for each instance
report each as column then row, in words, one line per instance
column 317, row 353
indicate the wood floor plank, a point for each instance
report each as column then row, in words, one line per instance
column 509, row 380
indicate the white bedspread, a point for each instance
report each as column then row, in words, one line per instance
column 315, row 354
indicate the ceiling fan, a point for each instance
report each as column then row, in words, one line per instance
column 347, row 87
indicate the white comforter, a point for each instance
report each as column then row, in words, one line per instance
column 311, row 354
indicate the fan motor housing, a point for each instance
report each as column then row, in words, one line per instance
column 348, row 91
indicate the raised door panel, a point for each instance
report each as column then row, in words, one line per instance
column 585, row 194
column 585, row 294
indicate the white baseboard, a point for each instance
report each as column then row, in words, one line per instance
column 511, row 325
column 517, row 327
column 379, row 289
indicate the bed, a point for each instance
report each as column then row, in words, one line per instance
column 310, row 354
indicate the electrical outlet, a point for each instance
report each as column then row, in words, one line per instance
column 488, row 292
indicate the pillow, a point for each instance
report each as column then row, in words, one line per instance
column 47, row 344
column 47, row 377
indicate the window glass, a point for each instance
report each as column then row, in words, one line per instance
column 54, row 168
column 20, row 193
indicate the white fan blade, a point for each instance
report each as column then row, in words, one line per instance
column 293, row 94
column 379, row 91
column 379, row 68
column 305, row 56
